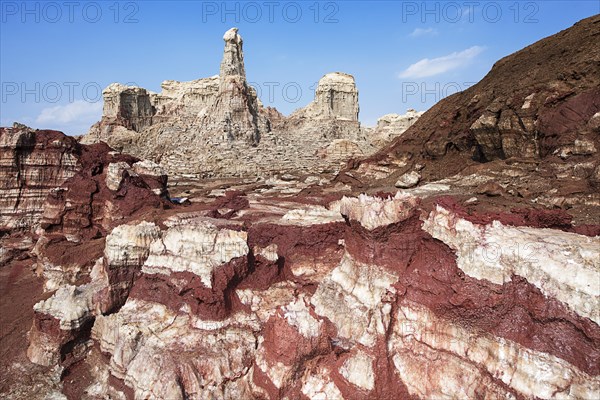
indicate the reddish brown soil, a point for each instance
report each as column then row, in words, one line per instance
column 19, row 291
column 76, row 379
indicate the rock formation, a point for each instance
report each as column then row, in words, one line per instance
column 208, row 127
column 234, row 115
column 58, row 193
column 539, row 105
column 187, row 122
column 473, row 281
column 355, row 301
column 128, row 106
column 31, row 164
column 390, row 126
column 333, row 114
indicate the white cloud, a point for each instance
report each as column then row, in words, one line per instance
column 73, row 118
column 435, row 66
column 74, row 112
column 418, row 32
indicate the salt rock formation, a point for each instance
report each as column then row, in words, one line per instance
column 196, row 115
column 68, row 315
column 31, row 164
column 496, row 252
column 185, row 98
column 233, row 56
column 329, row 124
column 213, row 127
column 354, row 299
column 373, row 213
column 336, row 97
column 333, row 112
column 62, row 320
column 234, row 114
column 128, row 106
column 466, row 287
column 390, row 126
column 39, row 167
column 342, row 150
column 107, row 189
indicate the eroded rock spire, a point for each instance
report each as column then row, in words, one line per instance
column 233, row 55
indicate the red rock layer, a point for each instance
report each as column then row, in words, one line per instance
column 517, row 310
column 181, row 288
column 84, row 207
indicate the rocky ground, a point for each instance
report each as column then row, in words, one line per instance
column 460, row 261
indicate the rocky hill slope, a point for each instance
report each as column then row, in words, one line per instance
column 540, row 105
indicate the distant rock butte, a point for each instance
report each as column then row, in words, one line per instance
column 217, row 127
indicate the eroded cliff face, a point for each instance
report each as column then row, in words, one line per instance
column 355, row 299
column 209, row 127
column 333, row 114
column 60, row 194
column 31, row 164
column 85, row 209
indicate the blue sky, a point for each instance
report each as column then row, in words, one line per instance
column 55, row 57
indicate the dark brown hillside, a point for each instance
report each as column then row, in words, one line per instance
column 539, row 105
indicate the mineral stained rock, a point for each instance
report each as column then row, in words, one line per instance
column 61, row 198
column 211, row 313
column 31, row 164
column 539, row 105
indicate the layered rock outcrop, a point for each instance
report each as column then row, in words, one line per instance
column 479, row 285
column 61, row 198
column 128, row 106
column 188, row 124
column 31, row 164
column 333, row 114
column 39, row 167
column 224, row 309
column 234, row 115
